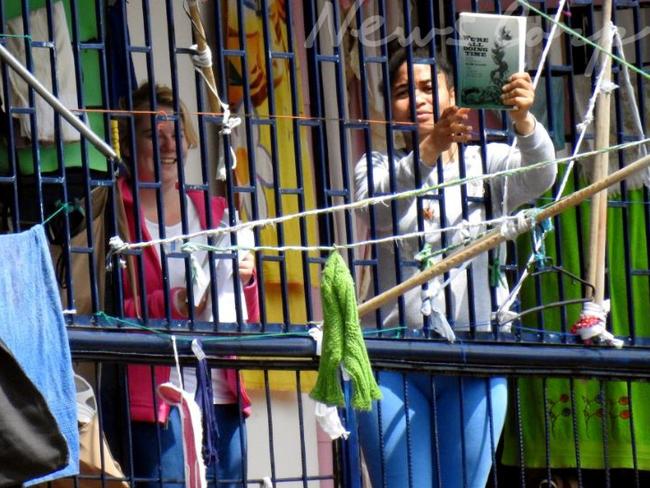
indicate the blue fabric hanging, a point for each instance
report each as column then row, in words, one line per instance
column 33, row 329
column 205, row 398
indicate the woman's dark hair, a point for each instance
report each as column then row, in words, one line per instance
column 398, row 58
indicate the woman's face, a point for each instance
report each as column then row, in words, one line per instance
column 424, row 98
column 145, row 153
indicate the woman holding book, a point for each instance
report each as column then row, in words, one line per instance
column 453, row 424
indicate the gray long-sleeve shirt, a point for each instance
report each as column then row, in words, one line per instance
column 522, row 188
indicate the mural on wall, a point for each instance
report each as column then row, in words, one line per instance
column 257, row 149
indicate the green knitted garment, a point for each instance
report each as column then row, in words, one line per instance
column 342, row 341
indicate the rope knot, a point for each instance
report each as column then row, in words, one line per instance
column 520, row 223
column 608, row 87
column 190, row 247
column 201, row 58
column 117, row 247
column 591, row 327
column 582, row 126
column 228, row 122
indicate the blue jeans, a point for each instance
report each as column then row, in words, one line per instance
column 449, row 446
column 231, row 469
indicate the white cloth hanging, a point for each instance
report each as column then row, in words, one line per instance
column 42, row 70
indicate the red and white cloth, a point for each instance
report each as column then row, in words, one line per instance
column 195, row 472
column 591, row 327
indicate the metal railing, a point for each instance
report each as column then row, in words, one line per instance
column 304, row 77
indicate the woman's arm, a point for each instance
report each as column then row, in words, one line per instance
column 533, row 146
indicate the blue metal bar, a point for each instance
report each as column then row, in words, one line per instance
column 294, row 81
column 85, row 166
column 547, row 429
column 493, row 447
column 367, row 137
column 275, row 159
column 350, row 462
column 301, row 431
column 633, row 440
column 498, row 358
column 132, row 84
column 520, row 433
column 605, row 429
column 576, row 432
column 434, row 431
column 319, row 138
column 269, row 416
column 462, row 423
column 462, row 174
column 35, row 146
column 409, row 435
column 57, row 132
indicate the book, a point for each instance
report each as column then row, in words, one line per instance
column 491, row 48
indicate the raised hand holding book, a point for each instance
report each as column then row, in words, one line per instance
column 490, row 49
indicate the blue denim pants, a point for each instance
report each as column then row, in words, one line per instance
column 454, row 425
column 231, row 469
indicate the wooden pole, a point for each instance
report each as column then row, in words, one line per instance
column 598, row 220
column 201, row 44
column 494, row 238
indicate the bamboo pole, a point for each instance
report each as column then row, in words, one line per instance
column 598, row 220
column 201, row 43
column 494, row 238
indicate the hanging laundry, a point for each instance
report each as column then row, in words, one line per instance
column 342, row 341
column 195, row 472
column 42, row 70
column 32, row 443
column 33, row 328
column 204, row 398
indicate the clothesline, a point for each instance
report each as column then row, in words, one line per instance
column 189, row 337
column 504, row 309
column 111, row 320
column 587, row 41
column 538, row 76
column 599, row 87
column 466, row 225
column 118, row 246
column 125, row 112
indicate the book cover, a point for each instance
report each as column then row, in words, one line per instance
column 491, row 48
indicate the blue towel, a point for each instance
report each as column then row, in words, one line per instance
column 33, row 328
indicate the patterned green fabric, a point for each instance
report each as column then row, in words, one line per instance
column 342, row 341
column 603, row 410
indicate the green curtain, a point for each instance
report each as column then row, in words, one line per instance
column 603, row 410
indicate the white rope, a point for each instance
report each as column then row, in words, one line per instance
column 592, row 326
column 538, row 74
column 193, row 246
column 523, row 222
column 503, row 312
column 359, row 204
column 116, row 246
column 629, row 89
column 588, row 118
column 177, row 362
column 203, row 60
